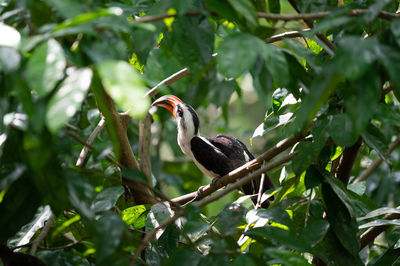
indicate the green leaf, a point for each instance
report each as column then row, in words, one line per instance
column 184, row 256
column 110, row 229
column 380, row 222
column 182, row 5
column 123, row 83
column 230, row 218
column 390, row 257
column 26, row 233
column 243, row 259
column 246, row 9
column 390, row 59
column 310, row 6
column 340, row 217
column 387, row 115
column 134, row 216
column 10, row 174
column 10, row 59
column 286, row 257
column 231, row 61
column 11, row 37
column 284, row 237
column 378, row 212
column 366, row 90
column 395, row 28
column 275, row 214
column 360, row 52
column 313, row 177
column 157, row 215
column 107, row 199
column 134, row 174
column 46, row 67
column 375, row 139
column 319, row 92
column 274, row 6
column 308, row 153
column 315, row 231
column 70, row 8
column 81, row 193
column 276, row 63
column 342, row 131
column 63, row 105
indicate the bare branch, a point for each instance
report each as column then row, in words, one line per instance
column 370, row 235
column 42, row 234
column 168, row 81
column 90, row 140
column 241, row 171
column 288, row 34
column 377, row 162
column 144, row 146
column 346, row 162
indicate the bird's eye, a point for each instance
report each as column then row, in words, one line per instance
column 179, row 112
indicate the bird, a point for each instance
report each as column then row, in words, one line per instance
column 214, row 156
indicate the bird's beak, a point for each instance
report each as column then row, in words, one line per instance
column 169, row 102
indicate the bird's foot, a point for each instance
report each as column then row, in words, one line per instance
column 199, row 194
column 214, row 182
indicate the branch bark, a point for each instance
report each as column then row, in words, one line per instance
column 346, row 162
column 42, row 234
column 116, row 128
column 241, row 171
column 370, row 235
column 144, row 146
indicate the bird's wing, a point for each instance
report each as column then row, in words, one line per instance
column 212, row 158
column 232, row 148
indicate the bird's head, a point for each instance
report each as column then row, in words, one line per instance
column 185, row 116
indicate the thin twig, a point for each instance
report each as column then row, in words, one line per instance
column 90, row 140
column 241, row 171
column 377, row 162
column 288, row 34
column 42, row 235
column 168, row 81
column 79, row 139
column 260, row 191
column 284, row 17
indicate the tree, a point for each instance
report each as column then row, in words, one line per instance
column 79, row 149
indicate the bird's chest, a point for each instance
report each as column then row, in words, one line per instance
column 186, row 149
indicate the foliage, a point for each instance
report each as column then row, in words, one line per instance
column 336, row 84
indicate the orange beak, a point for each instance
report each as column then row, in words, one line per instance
column 169, row 102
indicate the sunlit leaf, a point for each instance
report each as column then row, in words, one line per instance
column 46, row 67
column 124, row 84
column 67, row 100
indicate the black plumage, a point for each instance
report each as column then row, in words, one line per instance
column 216, row 156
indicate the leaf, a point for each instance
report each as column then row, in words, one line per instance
column 244, row 259
column 110, row 229
column 183, row 256
column 274, row 6
column 246, row 9
column 340, row 217
column 313, row 177
column 81, row 193
column 70, row 8
column 286, row 257
column 284, row 237
column 390, row 59
column 308, row 153
column 10, row 59
column 378, row 212
column 315, row 231
column 134, row 174
column 26, row 233
column 134, row 216
column 387, row 115
column 276, row 63
column 341, row 130
column 395, row 28
column 318, row 93
column 366, row 90
column 380, row 222
column 390, row 257
column 230, row 217
column 233, row 62
column 46, row 67
column 275, row 214
column 360, row 52
column 106, row 199
column 11, row 174
column 123, row 83
column 10, row 36
column 157, row 215
column 182, row 5
column 309, row 6
column 375, row 139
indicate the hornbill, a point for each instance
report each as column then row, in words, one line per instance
column 215, row 156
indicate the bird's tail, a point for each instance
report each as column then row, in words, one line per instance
column 253, row 188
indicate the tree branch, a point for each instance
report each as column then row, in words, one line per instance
column 168, row 81
column 85, row 150
column 370, row 235
column 346, row 162
column 122, row 148
column 241, row 171
column 377, row 162
column 144, row 146
column 42, row 234
column 287, row 17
